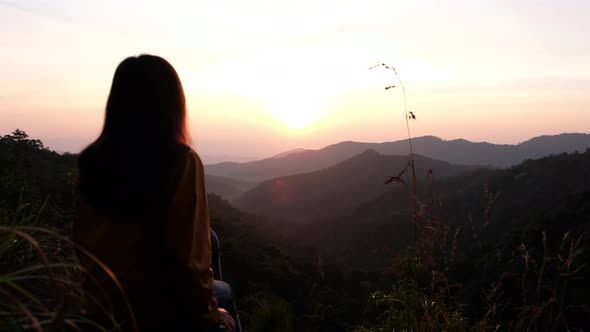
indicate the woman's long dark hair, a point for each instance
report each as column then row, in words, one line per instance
column 127, row 169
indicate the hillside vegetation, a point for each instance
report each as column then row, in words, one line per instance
column 225, row 187
column 491, row 250
column 335, row 191
column 40, row 277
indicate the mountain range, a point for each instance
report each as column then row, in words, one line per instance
column 546, row 197
column 227, row 187
column 345, row 211
column 521, row 231
column 457, row 151
column 337, row 190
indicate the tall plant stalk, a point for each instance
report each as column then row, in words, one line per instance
column 407, row 116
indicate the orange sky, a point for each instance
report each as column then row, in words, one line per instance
column 256, row 71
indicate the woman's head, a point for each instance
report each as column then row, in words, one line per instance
column 131, row 164
column 146, row 104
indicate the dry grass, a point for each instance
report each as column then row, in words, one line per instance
column 423, row 294
column 40, row 277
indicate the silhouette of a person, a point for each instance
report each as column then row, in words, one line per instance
column 142, row 209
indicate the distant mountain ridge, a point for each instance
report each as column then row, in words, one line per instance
column 458, row 151
column 225, row 187
column 288, row 153
column 551, row 191
column 337, row 190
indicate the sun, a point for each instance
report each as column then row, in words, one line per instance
column 296, row 114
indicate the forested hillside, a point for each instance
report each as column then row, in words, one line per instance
column 335, row 191
column 518, row 236
column 225, row 187
column 275, row 290
column 490, row 249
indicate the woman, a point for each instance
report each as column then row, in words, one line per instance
column 142, row 209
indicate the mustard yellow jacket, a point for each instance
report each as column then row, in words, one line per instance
column 162, row 258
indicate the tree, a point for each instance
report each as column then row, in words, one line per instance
column 19, row 138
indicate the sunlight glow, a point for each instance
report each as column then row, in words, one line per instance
column 258, row 81
column 296, row 114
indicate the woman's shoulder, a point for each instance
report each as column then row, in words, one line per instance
column 189, row 155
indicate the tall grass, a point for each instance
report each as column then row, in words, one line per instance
column 271, row 314
column 40, row 276
column 424, row 297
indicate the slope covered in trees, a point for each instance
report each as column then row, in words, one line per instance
column 506, row 247
column 275, row 290
column 335, row 191
column 503, row 248
column 225, row 187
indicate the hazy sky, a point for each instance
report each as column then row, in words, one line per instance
column 255, row 71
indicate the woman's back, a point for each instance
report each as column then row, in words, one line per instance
column 142, row 207
column 143, row 245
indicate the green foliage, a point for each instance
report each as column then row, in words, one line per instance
column 513, row 264
column 264, row 272
column 271, row 315
column 531, row 294
column 30, row 172
column 40, row 277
